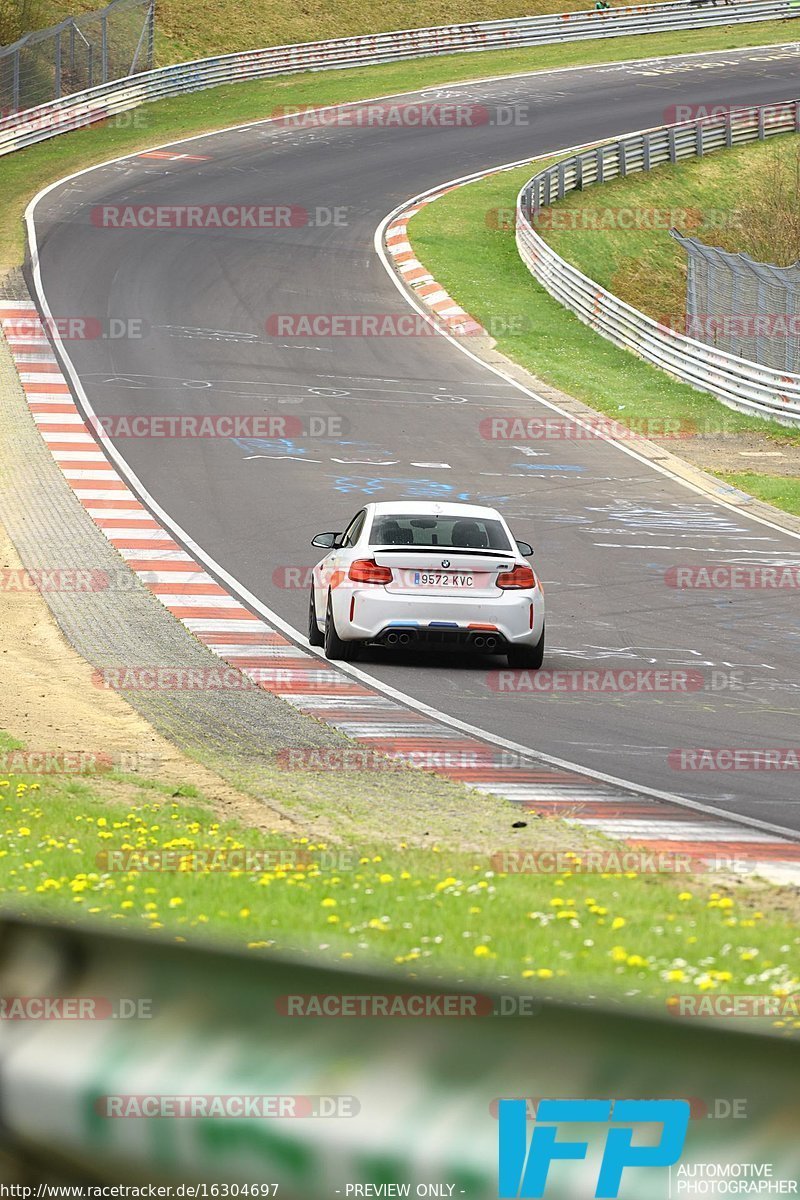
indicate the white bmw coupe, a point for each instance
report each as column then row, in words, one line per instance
column 417, row 574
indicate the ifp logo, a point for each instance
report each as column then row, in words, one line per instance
column 524, row 1169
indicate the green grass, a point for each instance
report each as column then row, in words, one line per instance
column 780, row 490
column 418, row 911
column 24, row 173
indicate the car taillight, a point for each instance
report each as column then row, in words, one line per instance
column 520, row 577
column 366, row 570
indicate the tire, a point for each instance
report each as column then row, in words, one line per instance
column 527, row 657
column 315, row 638
column 335, row 648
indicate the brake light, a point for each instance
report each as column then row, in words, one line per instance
column 520, row 577
column 366, row 570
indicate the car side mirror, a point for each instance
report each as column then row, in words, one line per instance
column 525, row 549
column 326, row 541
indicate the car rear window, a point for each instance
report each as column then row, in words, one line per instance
column 456, row 533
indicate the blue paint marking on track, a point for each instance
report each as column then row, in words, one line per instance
column 487, row 498
column 269, row 446
column 368, row 485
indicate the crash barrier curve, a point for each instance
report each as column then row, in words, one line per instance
column 739, row 383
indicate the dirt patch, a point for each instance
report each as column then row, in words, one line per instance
column 736, row 452
column 50, row 705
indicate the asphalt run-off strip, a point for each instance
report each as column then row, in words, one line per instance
column 315, row 687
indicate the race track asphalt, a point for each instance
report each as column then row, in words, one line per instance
column 606, row 526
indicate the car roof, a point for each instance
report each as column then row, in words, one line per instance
column 430, row 508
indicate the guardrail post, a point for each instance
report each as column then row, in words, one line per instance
column 673, row 154
column 600, row 172
column 646, row 152
column 729, row 129
column 151, row 35
column 622, row 158
column 104, row 43
column 699, row 139
column 57, row 65
column 579, row 173
column 562, row 189
column 15, row 83
column 797, row 115
column 760, row 124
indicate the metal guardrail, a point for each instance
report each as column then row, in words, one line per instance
column 418, row 1090
column 741, row 384
column 19, row 130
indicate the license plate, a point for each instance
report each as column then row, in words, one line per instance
column 441, row 579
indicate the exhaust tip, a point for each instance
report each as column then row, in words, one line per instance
column 391, row 639
column 479, row 642
column 491, row 643
column 404, row 639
